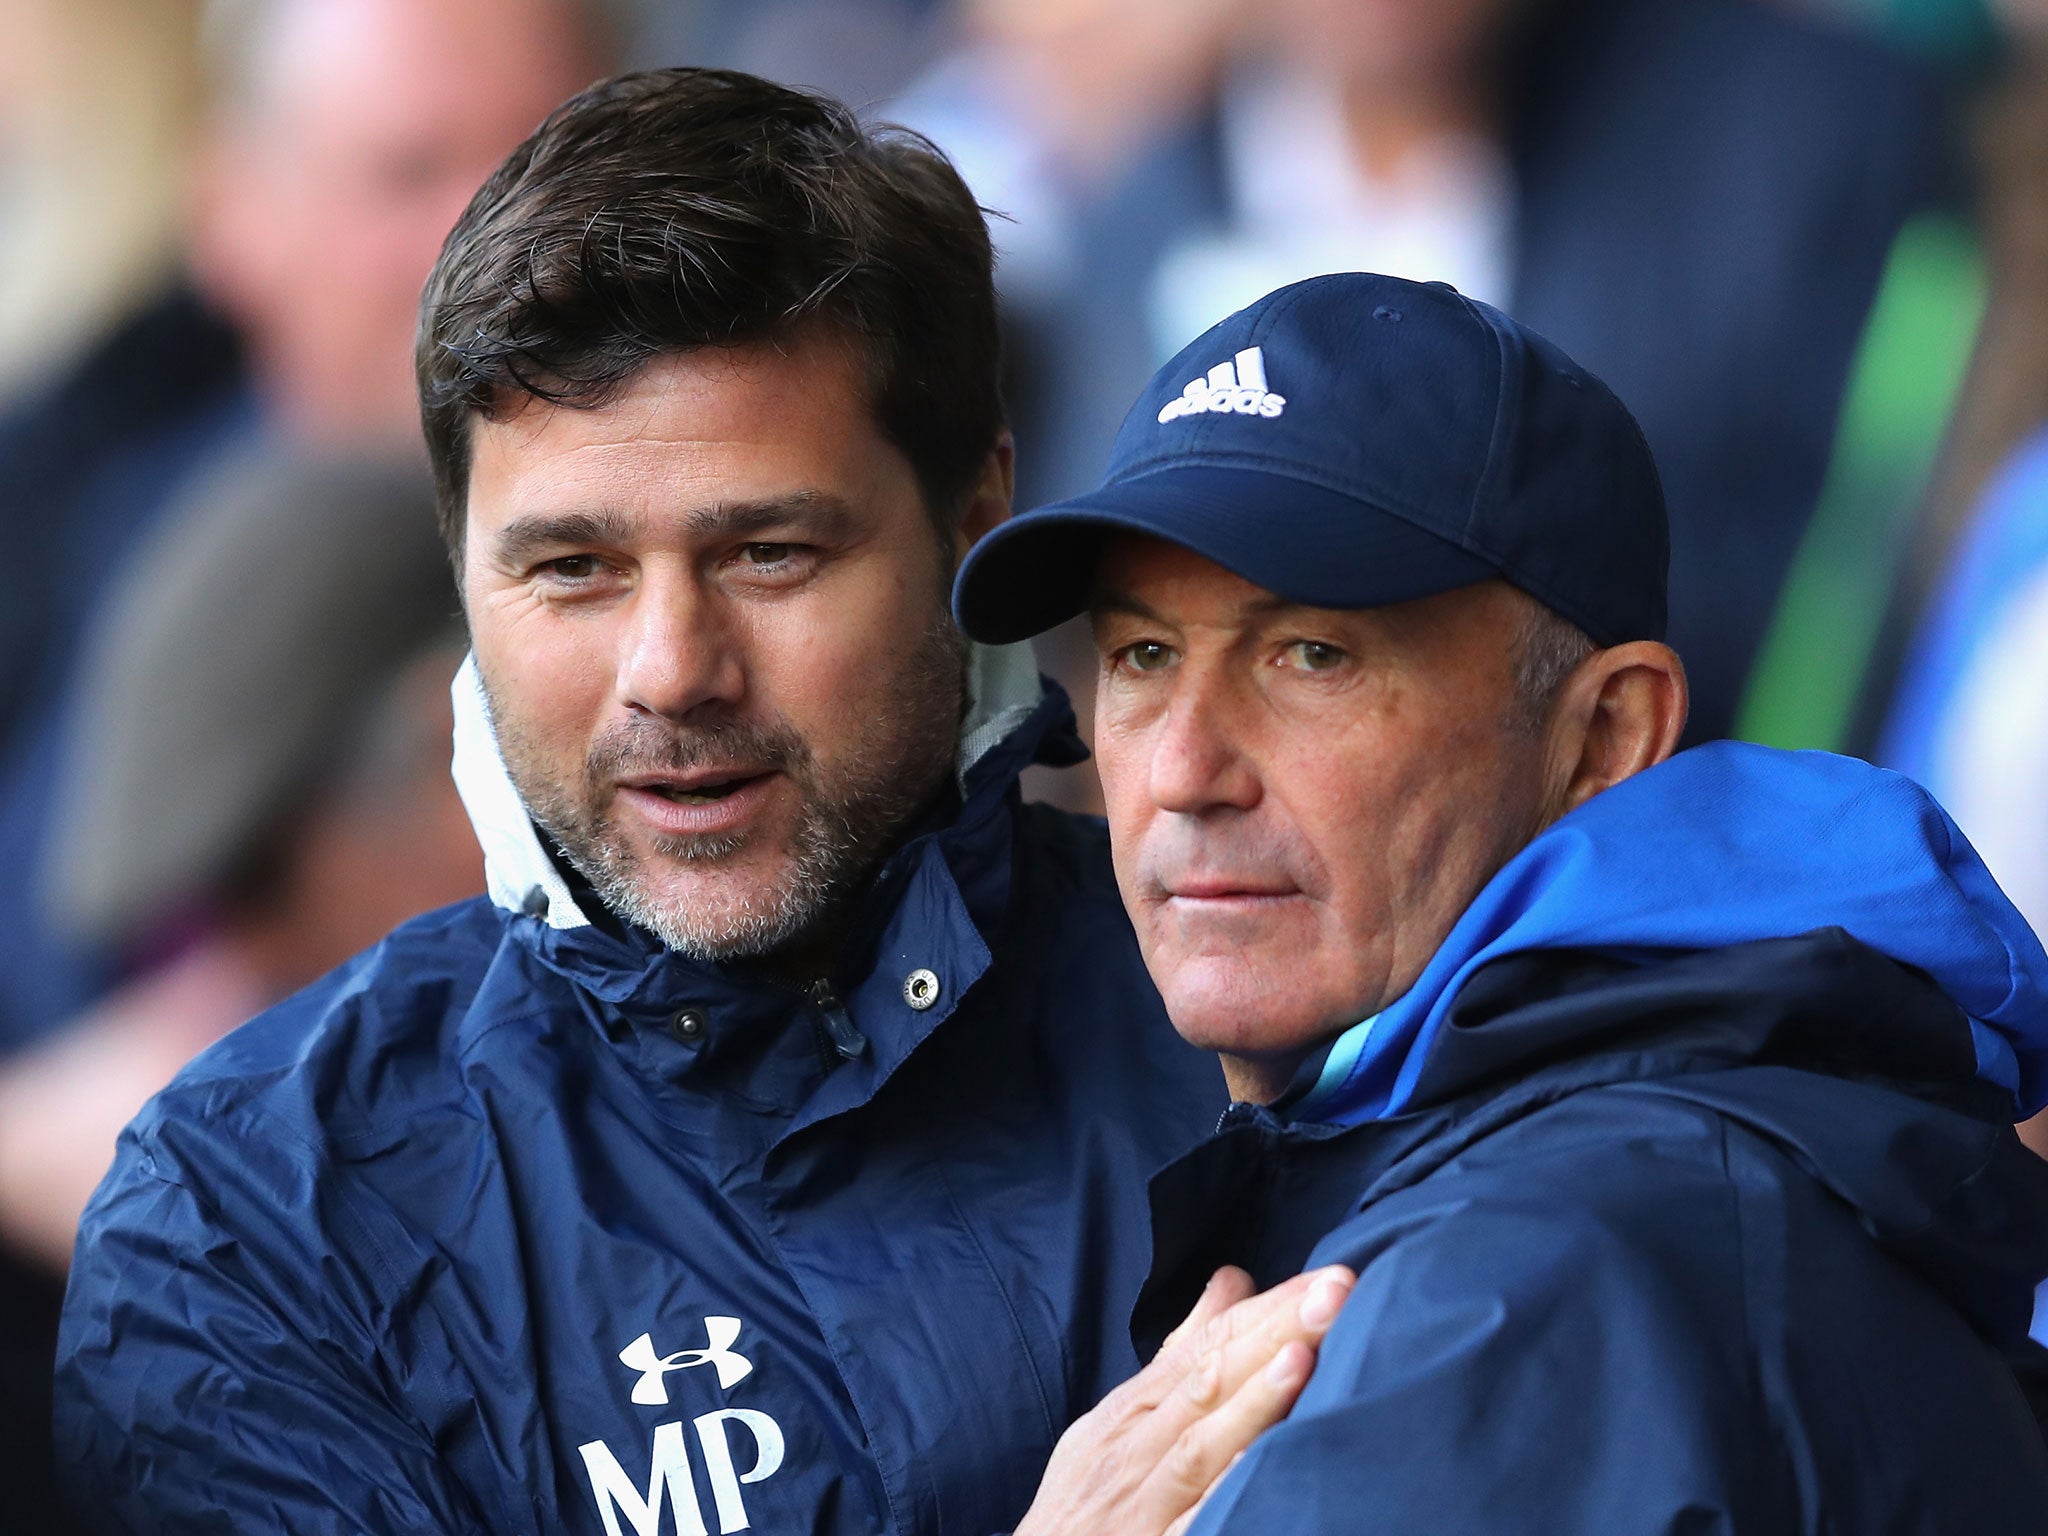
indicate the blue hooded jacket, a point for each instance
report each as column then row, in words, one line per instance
column 1682, row 1187
column 519, row 1222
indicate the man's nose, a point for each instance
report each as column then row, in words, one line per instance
column 678, row 651
column 1200, row 760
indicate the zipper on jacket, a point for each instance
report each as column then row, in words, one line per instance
column 846, row 1039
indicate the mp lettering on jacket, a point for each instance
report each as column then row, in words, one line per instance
column 719, row 1442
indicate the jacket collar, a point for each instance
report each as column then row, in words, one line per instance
column 1003, row 689
column 930, row 907
column 1723, row 845
column 1859, row 1069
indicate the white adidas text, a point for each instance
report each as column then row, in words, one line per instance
column 1238, row 387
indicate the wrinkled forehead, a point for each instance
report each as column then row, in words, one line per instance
column 712, row 424
column 1150, row 577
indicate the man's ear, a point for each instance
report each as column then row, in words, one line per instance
column 1620, row 712
column 989, row 504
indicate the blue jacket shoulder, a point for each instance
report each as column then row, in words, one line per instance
column 1628, row 1310
column 370, row 1042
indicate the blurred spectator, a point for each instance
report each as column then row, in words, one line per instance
column 1970, row 715
column 265, row 757
column 103, row 351
column 2006, row 397
column 343, row 138
column 1042, row 104
column 861, row 51
column 346, row 135
column 1971, row 718
column 98, row 102
column 258, row 787
column 1696, row 197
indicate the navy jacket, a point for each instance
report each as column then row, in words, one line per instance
column 519, row 1222
column 1660, row 1229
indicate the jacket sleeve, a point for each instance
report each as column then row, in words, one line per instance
column 212, row 1377
column 1508, row 1367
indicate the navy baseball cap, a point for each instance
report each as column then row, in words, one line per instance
column 1355, row 440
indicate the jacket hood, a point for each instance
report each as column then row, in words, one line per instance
column 1723, row 845
column 1003, row 692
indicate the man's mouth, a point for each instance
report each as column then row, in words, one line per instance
column 1226, row 888
column 708, row 793
column 702, row 799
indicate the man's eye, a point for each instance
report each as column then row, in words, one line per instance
column 572, row 567
column 1146, row 656
column 1314, row 655
column 766, row 554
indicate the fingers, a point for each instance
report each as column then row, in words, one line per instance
column 1144, row 1457
column 1180, row 1526
column 1223, row 1344
column 1209, row 1447
column 1228, row 1286
column 1229, row 1350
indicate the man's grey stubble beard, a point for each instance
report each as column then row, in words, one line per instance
column 844, row 827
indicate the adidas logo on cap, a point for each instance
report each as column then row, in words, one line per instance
column 1237, row 386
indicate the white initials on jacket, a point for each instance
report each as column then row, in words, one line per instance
column 671, row 1479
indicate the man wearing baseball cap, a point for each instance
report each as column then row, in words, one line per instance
column 1662, row 1103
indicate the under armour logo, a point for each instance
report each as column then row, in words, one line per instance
column 719, row 1336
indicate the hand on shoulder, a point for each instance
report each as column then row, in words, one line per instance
column 1143, row 1460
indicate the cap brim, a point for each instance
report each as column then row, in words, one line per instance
column 1300, row 541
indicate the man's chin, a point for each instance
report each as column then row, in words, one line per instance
column 728, row 908
column 1221, row 1003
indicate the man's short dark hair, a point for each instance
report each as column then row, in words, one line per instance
column 661, row 212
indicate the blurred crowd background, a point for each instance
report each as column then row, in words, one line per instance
column 1806, row 240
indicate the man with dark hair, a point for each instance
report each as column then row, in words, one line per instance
column 764, row 1153
column 786, row 214
column 1663, row 1103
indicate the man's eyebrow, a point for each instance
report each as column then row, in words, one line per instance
column 817, row 513
column 534, row 531
column 813, row 512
